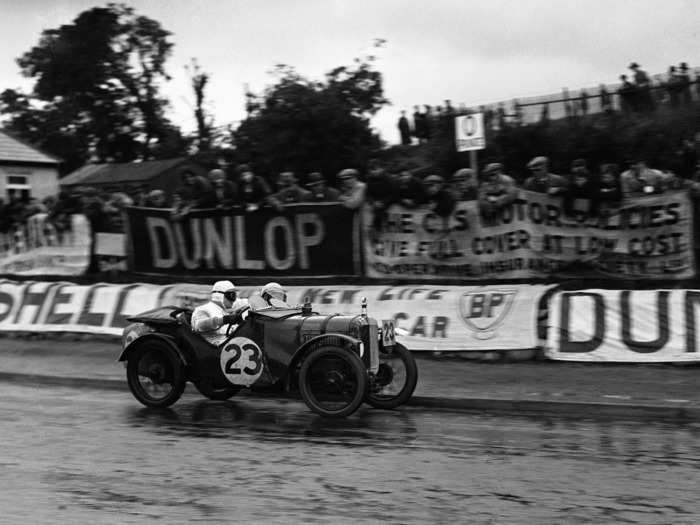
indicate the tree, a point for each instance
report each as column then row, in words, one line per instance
column 199, row 80
column 307, row 125
column 96, row 89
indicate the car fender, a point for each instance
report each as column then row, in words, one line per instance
column 332, row 338
column 131, row 347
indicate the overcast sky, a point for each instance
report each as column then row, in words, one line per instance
column 468, row 51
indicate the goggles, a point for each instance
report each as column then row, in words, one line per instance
column 230, row 295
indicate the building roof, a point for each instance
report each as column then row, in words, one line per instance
column 14, row 150
column 125, row 172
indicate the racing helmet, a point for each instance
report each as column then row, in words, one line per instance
column 223, row 290
column 273, row 291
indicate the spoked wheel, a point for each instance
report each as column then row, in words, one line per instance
column 155, row 374
column 333, row 381
column 395, row 380
column 216, row 393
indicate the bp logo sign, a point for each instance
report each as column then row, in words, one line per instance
column 484, row 311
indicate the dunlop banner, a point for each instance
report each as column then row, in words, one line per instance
column 441, row 318
column 66, row 307
column 307, row 239
column 40, row 246
column 646, row 238
column 638, row 326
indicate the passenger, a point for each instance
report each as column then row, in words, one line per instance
column 272, row 295
column 211, row 320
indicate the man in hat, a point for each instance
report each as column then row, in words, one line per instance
column 643, row 87
column 437, row 197
column 580, row 192
column 684, row 83
column 212, row 319
column 289, row 191
column 352, row 190
column 409, row 191
column 320, row 191
column 464, row 185
column 253, row 189
column 404, row 129
column 496, row 190
column 541, row 181
column 641, row 180
column 222, row 192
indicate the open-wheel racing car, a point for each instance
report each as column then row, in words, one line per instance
column 336, row 362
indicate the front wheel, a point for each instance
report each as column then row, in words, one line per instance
column 155, row 374
column 333, row 381
column 395, row 380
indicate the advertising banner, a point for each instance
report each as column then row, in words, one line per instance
column 306, row 239
column 66, row 307
column 646, row 238
column 40, row 247
column 638, row 326
column 441, row 318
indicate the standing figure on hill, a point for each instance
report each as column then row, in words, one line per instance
column 642, row 86
column 404, row 130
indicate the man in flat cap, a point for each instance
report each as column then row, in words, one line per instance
column 496, row 190
column 541, row 181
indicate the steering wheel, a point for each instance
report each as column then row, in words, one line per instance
column 238, row 319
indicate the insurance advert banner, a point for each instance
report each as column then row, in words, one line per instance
column 646, row 238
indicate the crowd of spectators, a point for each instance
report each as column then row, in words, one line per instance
column 599, row 189
column 637, row 92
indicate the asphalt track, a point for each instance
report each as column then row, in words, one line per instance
column 447, row 382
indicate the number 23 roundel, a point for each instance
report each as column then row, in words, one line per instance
column 241, row 361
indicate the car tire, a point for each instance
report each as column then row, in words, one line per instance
column 333, row 381
column 405, row 390
column 155, row 374
column 216, row 394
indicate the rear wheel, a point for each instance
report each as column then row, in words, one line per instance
column 395, row 380
column 333, row 381
column 155, row 374
column 216, row 393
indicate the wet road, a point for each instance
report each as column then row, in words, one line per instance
column 91, row 456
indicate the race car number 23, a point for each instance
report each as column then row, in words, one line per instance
column 241, row 361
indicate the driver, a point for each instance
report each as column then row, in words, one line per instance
column 272, row 295
column 210, row 319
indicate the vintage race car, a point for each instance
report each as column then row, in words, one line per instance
column 336, row 362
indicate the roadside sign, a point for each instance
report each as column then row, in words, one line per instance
column 469, row 132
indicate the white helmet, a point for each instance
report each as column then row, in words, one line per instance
column 273, row 290
column 221, row 290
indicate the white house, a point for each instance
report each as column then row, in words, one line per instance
column 25, row 171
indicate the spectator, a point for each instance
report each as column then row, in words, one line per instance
column 352, row 190
column 541, row 180
column 222, row 192
column 449, row 109
column 404, row 130
column 156, row 199
column 194, row 191
column 410, row 192
column 496, row 190
column 113, row 211
column 464, row 185
column 641, row 180
column 626, row 92
column 320, row 191
column 289, row 191
column 253, row 190
column 544, row 115
column 428, row 123
column 379, row 194
column 419, row 129
column 642, row 86
column 580, row 192
column 687, row 158
column 583, row 102
column 673, row 86
column 437, row 197
column 608, row 193
column 684, row 84
column 605, row 99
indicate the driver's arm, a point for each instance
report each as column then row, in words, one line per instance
column 203, row 322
